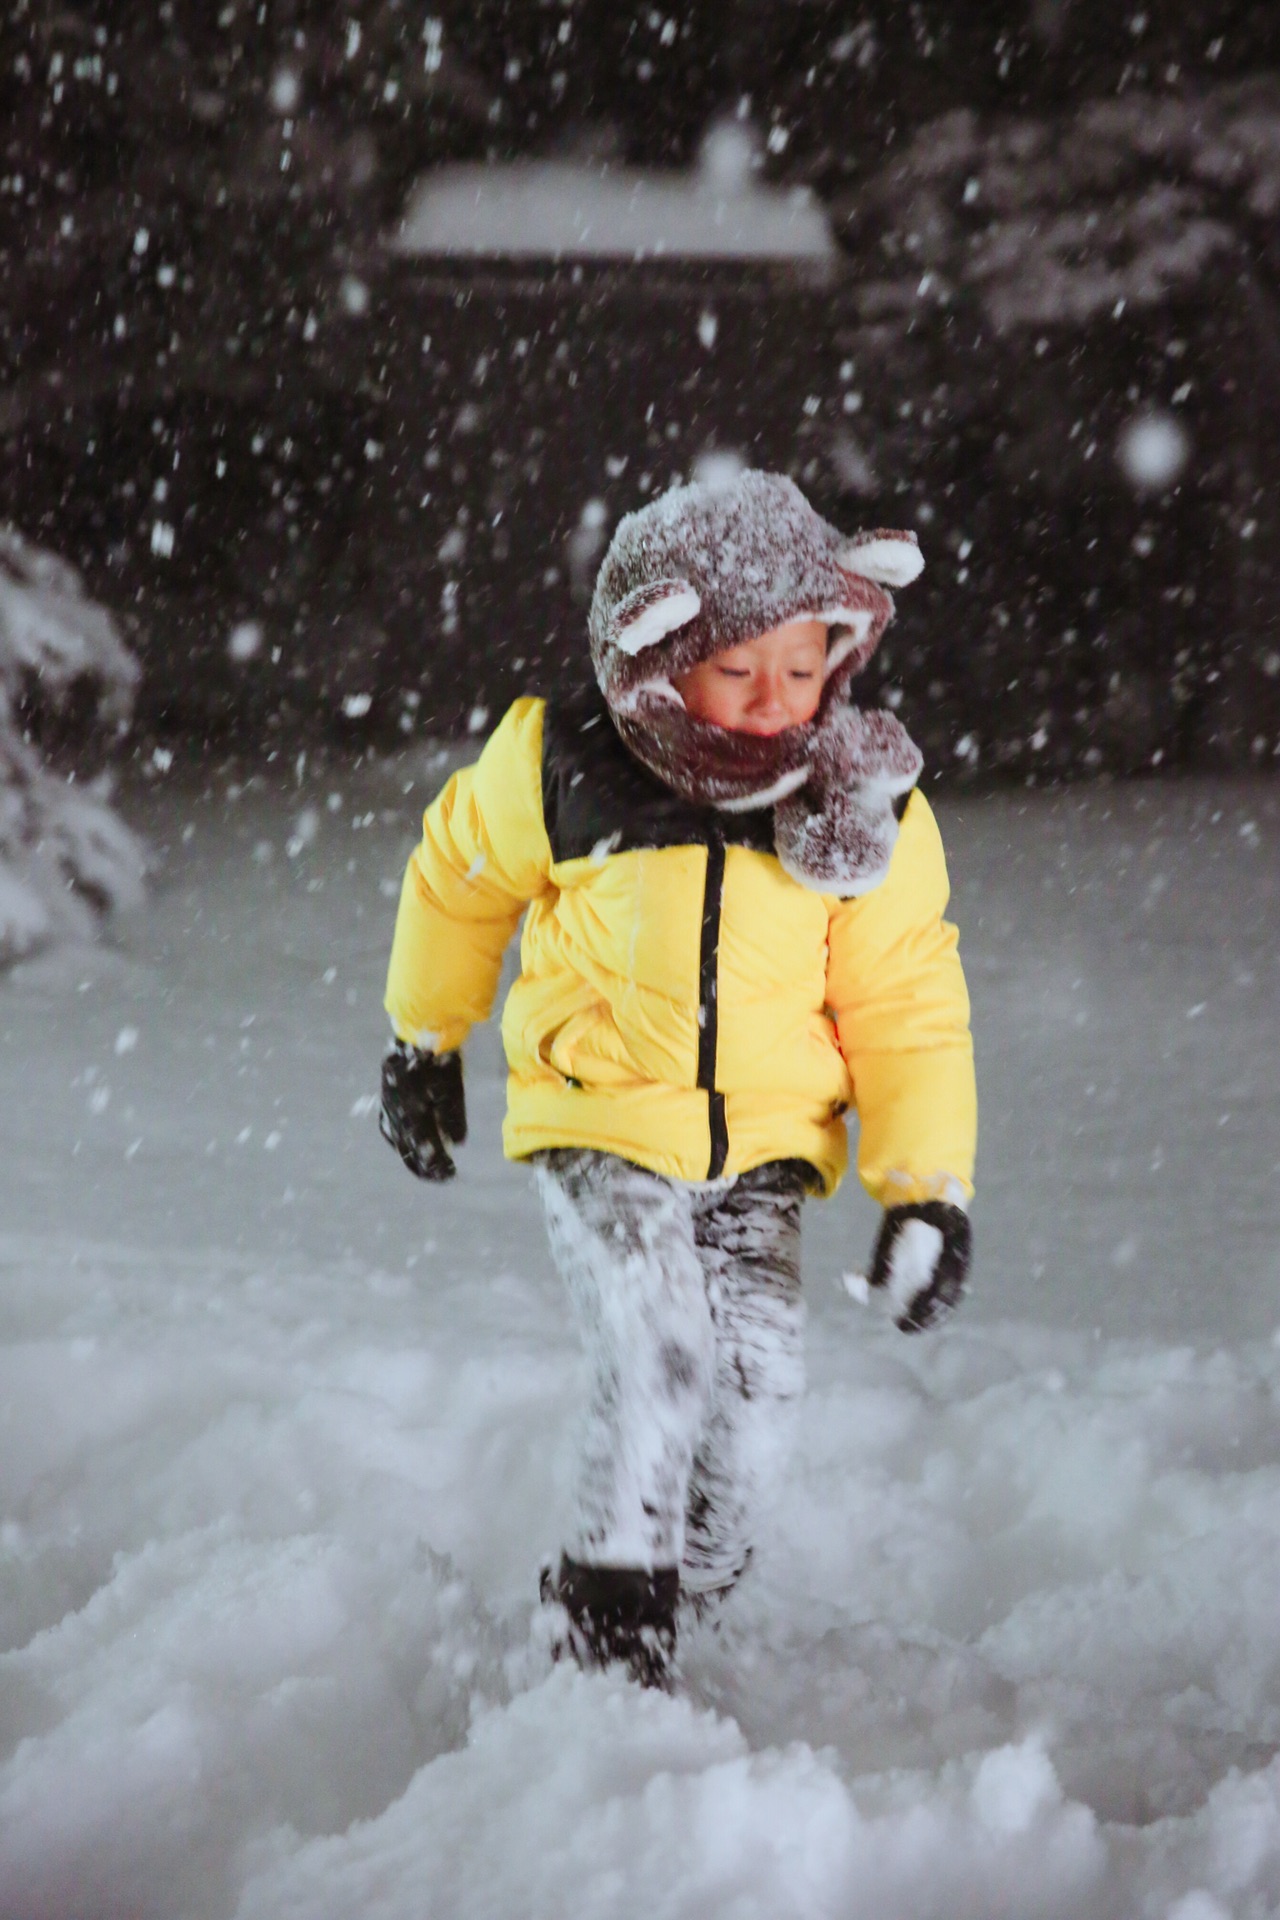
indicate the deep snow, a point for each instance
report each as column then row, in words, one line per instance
column 285, row 1434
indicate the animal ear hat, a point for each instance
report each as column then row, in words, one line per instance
column 706, row 567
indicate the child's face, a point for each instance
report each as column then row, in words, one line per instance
column 763, row 686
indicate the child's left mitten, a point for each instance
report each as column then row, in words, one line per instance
column 922, row 1257
column 423, row 1106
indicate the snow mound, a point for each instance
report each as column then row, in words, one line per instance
column 66, row 860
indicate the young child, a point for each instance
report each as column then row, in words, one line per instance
column 734, row 933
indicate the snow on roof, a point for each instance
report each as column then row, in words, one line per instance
column 557, row 207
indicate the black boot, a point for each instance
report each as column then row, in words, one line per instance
column 618, row 1614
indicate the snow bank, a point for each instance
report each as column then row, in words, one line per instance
column 65, row 857
column 284, row 1436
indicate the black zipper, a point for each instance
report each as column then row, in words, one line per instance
column 708, row 1014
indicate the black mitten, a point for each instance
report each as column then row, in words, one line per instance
column 922, row 1256
column 422, row 1107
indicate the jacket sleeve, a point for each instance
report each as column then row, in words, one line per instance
column 484, row 855
column 897, row 993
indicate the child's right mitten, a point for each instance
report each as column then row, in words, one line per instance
column 921, row 1258
column 422, row 1108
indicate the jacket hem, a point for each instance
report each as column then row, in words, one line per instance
column 676, row 1145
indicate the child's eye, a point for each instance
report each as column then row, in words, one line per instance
column 734, row 673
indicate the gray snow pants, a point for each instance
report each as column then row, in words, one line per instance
column 687, row 1298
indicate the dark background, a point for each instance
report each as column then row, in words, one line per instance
column 1052, row 217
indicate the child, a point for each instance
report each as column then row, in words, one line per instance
column 734, row 933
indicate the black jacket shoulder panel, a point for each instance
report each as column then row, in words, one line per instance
column 596, row 798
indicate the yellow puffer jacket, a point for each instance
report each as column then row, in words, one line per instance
column 682, row 1002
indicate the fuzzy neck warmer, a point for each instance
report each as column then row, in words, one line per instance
column 702, row 569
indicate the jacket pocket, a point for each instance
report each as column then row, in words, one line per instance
column 563, row 1046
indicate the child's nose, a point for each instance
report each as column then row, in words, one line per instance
column 768, row 689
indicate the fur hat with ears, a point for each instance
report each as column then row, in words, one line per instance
column 706, row 567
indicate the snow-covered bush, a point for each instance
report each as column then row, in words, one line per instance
column 1135, row 201
column 66, row 860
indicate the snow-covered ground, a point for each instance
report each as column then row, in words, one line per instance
column 285, row 1434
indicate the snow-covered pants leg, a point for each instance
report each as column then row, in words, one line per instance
column 688, row 1301
column 748, row 1239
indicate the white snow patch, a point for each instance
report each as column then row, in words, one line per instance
column 911, row 1265
column 1198, row 1905
column 557, row 207
column 1014, row 1786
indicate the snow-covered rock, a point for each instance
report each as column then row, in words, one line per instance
column 66, row 860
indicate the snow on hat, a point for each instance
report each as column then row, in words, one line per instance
column 705, row 567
